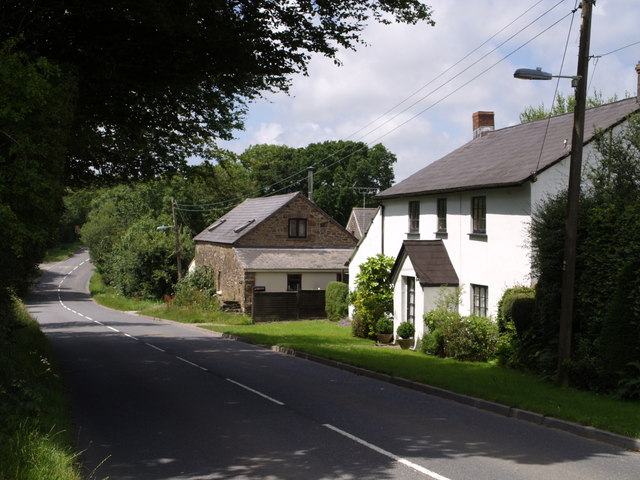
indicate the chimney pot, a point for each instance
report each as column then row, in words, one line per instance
column 483, row 122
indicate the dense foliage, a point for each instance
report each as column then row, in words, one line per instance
column 158, row 80
column 197, row 289
column 372, row 296
column 606, row 330
column 336, row 300
column 561, row 105
column 340, row 166
column 450, row 335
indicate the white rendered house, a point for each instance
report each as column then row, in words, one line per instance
column 475, row 205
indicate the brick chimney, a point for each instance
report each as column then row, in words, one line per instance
column 483, row 123
column 638, row 87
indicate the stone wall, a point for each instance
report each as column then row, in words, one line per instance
column 322, row 230
column 229, row 274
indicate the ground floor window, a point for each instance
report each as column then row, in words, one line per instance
column 479, row 296
column 411, row 299
column 294, row 282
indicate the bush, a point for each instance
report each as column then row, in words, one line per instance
column 406, row 330
column 505, row 305
column 373, row 294
column 359, row 328
column 197, row 289
column 451, row 335
column 336, row 303
column 384, row 325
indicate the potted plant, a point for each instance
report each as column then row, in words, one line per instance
column 405, row 331
column 384, row 329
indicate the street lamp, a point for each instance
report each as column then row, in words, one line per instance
column 575, row 170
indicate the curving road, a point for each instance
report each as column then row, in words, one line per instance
column 155, row 400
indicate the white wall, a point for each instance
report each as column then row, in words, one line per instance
column 368, row 246
column 277, row 281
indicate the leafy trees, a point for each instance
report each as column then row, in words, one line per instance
column 158, row 80
column 561, row 105
column 372, row 297
column 607, row 320
column 340, row 166
column 34, row 122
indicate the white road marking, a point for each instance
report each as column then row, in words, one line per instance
column 131, row 337
column 190, row 363
column 277, row 402
column 386, row 453
column 113, row 329
column 154, row 347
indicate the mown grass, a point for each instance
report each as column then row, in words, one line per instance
column 109, row 297
column 484, row 380
column 35, row 439
column 62, row 252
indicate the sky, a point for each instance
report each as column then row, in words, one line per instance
column 414, row 88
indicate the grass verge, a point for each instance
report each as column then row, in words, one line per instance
column 35, row 440
column 62, row 252
column 484, row 380
column 109, row 297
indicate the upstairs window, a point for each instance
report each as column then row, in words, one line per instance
column 297, row 228
column 479, row 214
column 414, row 217
column 442, row 215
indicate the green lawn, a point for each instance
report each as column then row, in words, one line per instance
column 330, row 340
column 483, row 380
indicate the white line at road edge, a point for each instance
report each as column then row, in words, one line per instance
column 375, row 448
column 277, row 402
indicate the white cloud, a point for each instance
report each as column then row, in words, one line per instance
column 334, row 102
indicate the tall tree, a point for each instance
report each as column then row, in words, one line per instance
column 341, row 167
column 159, row 79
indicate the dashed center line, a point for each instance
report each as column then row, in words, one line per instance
column 414, row 466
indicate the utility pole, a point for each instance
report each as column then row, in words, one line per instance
column 571, row 222
column 365, row 191
column 176, row 234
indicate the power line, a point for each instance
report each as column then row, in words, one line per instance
column 325, row 167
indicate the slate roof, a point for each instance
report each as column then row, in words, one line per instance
column 293, row 258
column 509, row 156
column 362, row 218
column 430, row 261
column 242, row 219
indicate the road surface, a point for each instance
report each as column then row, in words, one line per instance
column 155, row 400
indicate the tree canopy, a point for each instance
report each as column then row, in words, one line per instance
column 158, row 81
column 340, row 168
column 562, row 105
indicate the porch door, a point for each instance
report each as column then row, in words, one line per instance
column 411, row 300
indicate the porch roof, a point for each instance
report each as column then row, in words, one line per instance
column 430, row 261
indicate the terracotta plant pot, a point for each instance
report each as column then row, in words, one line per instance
column 405, row 343
column 385, row 337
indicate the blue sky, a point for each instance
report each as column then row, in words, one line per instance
column 335, row 103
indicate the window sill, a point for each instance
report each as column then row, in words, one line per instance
column 413, row 235
column 442, row 235
column 481, row 237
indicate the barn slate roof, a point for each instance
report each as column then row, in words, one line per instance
column 361, row 218
column 430, row 261
column 289, row 259
column 509, row 156
column 239, row 221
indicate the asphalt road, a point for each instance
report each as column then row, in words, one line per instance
column 156, row 400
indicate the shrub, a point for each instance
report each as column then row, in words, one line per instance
column 451, row 335
column 336, row 303
column 384, row 325
column 372, row 297
column 359, row 328
column 197, row 289
column 505, row 305
column 406, row 330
